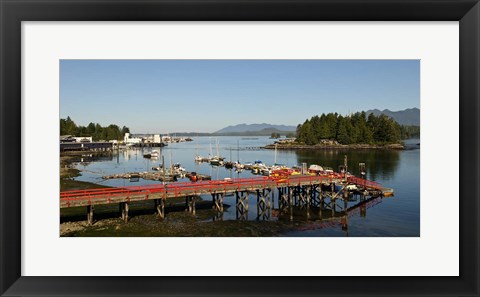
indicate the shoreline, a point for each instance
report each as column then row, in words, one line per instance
column 79, row 153
column 394, row 146
column 68, row 174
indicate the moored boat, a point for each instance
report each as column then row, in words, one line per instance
column 152, row 154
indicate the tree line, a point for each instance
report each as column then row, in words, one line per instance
column 357, row 128
column 96, row 131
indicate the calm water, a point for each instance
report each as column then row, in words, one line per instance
column 395, row 216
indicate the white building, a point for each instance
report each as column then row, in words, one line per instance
column 83, row 139
column 131, row 140
column 152, row 139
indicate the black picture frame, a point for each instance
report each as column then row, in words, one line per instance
column 13, row 12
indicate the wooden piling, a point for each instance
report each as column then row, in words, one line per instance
column 258, row 204
column 290, row 200
column 194, row 200
column 241, row 205
column 263, row 203
column 90, row 214
column 160, row 208
column 190, row 202
column 217, row 201
column 124, row 207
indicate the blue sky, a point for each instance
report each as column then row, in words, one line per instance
column 164, row 96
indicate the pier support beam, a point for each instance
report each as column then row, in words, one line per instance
column 321, row 197
column 90, row 214
column 190, row 201
column 315, row 193
column 333, row 205
column 218, row 216
column 124, row 211
column 303, row 194
column 286, row 196
column 308, row 190
column 363, row 210
column 160, row 208
column 344, row 222
column 263, row 204
column 283, row 198
column 217, row 200
column 290, row 201
column 241, row 205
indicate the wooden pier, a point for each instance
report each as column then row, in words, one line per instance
column 86, row 146
column 305, row 191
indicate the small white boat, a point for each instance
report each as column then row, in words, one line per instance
column 216, row 161
column 266, row 171
column 152, row 154
column 315, row 167
column 351, row 187
column 238, row 165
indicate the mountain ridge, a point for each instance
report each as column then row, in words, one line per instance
column 241, row 128
column 409, row 116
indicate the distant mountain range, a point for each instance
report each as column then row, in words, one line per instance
column 409, row 116
column 263, row 128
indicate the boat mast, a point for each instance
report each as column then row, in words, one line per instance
column 275, row 163
column 238, row 152
column 211, row 154
column 171, row 167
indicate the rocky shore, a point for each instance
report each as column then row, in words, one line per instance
column 295, row 146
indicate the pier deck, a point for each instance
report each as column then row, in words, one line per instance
column 182, row 189
column 303, row 189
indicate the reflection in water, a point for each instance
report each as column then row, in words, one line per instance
column 321, row 218
column 379, row 163
column 85, row 159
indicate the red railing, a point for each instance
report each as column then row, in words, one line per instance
column 364, row 182
column 179, row 189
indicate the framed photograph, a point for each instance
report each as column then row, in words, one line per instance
column 160, row 148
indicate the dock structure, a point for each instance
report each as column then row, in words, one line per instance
column 323, row 193
column 85, row 146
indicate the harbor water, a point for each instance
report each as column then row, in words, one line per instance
column 397, row 216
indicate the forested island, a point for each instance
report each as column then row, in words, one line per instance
column 356, row 130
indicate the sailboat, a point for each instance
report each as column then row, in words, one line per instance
column 229, row 164
column 199, row 158
column 152, row 154
column 216, row 160
column 277, row 168
column 237, row 164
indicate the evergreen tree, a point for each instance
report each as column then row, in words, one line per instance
column 125, row 130
column 342, row 132
column 70, row 127
column 96, row 131
column 91, row 129
column 352, row 129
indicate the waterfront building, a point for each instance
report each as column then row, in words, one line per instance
column 127, row 139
